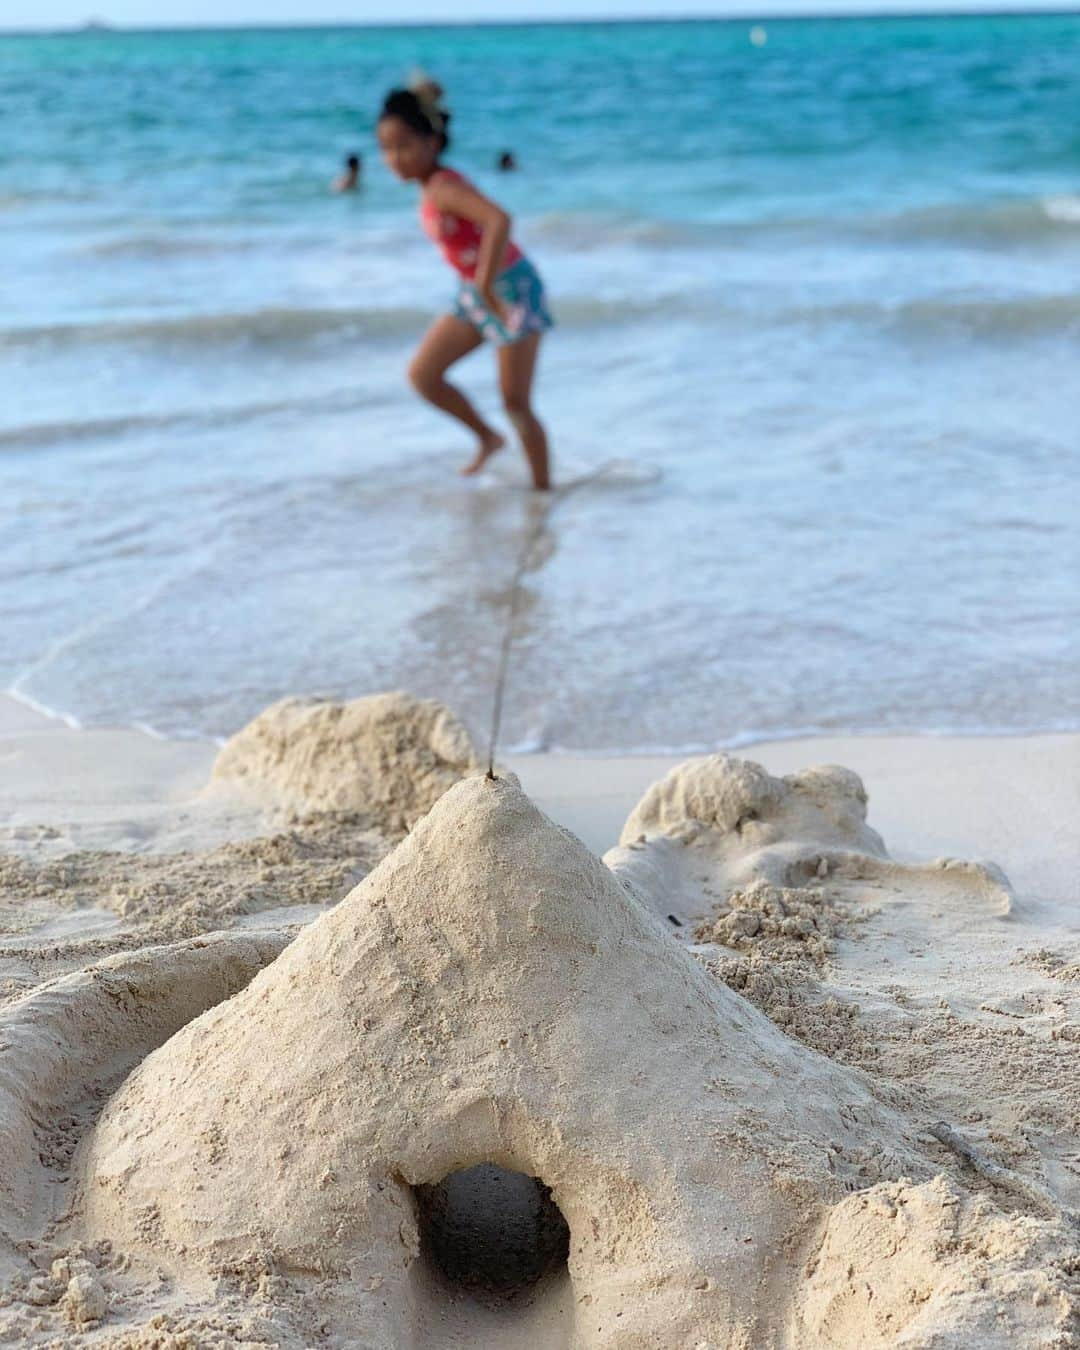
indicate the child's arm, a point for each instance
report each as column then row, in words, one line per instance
column 459, row 199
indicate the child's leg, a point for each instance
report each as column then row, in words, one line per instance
column 517, row 366
column 447, row 341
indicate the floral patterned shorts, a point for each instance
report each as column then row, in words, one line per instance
column 521, row 291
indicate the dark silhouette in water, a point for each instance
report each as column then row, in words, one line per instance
column 348, row 181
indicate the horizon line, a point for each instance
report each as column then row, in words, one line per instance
column 94, row 27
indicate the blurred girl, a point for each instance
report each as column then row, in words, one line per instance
column 500, row 297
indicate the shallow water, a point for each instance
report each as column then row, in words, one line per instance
column 828, row 287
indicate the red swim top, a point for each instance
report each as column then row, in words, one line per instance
column 456, row 238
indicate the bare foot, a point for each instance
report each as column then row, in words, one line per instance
column 489, row 445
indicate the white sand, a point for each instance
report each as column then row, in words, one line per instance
column 832, row 1100
column 1013, row 799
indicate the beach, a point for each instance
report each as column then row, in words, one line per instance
column 1013, row 799
column 932, row 975
column 725, row 995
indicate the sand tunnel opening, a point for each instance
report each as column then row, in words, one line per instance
column 493, row 1233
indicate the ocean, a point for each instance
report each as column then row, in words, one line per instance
column 817, row 286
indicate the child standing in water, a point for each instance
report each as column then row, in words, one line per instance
column 500, row 298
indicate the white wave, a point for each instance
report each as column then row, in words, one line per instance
column 1065, row 209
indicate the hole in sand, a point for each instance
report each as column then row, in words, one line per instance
column 495, row 1234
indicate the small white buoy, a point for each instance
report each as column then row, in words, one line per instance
column 758, row 36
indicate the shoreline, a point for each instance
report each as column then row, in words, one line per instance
column 737, row 745
column 1012, row 799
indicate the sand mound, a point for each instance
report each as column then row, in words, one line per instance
column 735, row 796
column 64, row 1048
column 775, row 861
column 721, row 843
column 922, row 1266
column 390, row 756
column 489, row 995
column 914, row 972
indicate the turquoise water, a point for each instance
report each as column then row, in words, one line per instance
column 828, row 285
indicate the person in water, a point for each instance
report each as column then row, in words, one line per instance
column 500, row 297
column 506, row 162
column 348, row 181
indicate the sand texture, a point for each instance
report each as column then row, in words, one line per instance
column 442, row 1077
column 319, row 791
column 390, row 756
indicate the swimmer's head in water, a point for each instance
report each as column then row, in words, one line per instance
column 413, row 129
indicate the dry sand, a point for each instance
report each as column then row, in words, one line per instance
column 311, row 1050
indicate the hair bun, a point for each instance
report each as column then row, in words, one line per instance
column 420, row 105
column 425, row 88
column 431, row 90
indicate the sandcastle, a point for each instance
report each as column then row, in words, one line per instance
column 497, row 1096
column 489, row 994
